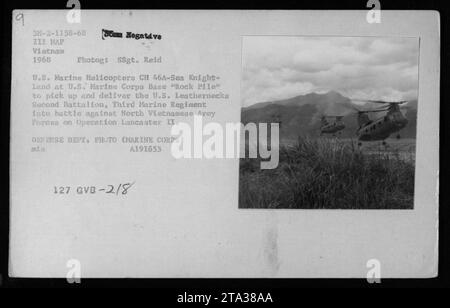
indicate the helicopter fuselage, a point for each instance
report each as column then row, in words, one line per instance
column 383, row 127
column 332, row 128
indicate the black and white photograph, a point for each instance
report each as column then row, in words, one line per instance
column 347, row 114
column 228, row 154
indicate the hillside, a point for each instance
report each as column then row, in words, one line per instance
column 300, row 115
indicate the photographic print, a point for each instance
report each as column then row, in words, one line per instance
column 346, row 108
column 126, row 148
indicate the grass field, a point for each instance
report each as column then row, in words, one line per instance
column 332, row 174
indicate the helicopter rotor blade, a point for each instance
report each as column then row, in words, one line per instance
column 375, row 110
column 379, row 102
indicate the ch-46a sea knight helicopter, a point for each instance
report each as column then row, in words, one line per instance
column 381, row 128
column 331, row 127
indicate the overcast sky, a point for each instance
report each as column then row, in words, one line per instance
column 277, row 67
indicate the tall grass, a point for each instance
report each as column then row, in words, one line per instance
column 328, row 174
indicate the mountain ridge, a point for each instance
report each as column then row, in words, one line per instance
column 300, row 115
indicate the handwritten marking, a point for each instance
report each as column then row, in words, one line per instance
column 120, row 189
column 21, row 17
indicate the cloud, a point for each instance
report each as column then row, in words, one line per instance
column 279, row 67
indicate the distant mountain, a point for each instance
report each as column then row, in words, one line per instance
column 300, row 115
column 328, row 102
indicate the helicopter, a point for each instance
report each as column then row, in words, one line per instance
column 381, row 128
column 331, row 128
